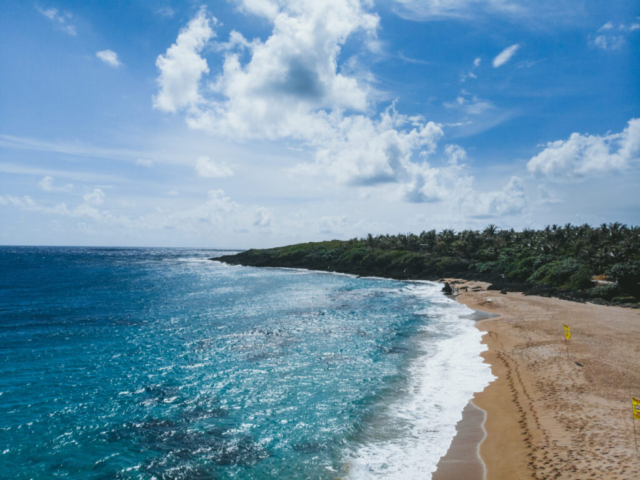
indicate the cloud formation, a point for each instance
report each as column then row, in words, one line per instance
column 504, row 56
column 60, row 20
column 470, row 106
column 47, row 185
column 434, row 9
column 588, row 155
column 95, row 197
column 612, row 37
column 217, row 214
column 182, row 67
column 207, row 168
column 109, row 57
column 290, row 87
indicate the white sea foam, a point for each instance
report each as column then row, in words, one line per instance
column 415, row 430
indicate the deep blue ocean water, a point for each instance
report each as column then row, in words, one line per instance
column 158, row 363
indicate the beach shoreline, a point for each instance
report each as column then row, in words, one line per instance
column 555, row 410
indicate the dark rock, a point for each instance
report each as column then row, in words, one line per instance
column 447, row 290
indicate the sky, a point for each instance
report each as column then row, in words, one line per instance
column 258, row 123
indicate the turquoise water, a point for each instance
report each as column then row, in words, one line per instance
column 157, row 363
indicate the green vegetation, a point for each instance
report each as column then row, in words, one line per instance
column 559, row 261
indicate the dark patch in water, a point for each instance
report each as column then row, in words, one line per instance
column 393, row 349
column 263, row 356
column 310, row 448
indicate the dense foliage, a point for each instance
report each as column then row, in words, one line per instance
column 554, row 260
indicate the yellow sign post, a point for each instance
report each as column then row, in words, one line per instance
column 567, row 336
column 635, row 403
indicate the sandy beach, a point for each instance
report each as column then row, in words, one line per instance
column 551, row 414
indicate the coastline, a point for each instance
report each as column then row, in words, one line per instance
column 546, row 416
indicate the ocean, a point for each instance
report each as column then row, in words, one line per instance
column 120, row 363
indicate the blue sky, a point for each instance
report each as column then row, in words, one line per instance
column 265, row 122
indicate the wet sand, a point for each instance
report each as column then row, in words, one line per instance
column 546, row 416
column 462, row 460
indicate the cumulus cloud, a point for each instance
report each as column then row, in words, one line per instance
column 262, row 217
column 47, row 185
column 291, row 87
column 332, row 225
column 504, row 56
column 182, row 67
column 95, row 197
column 291, row 83
column 109, row 57
column 207, row 168
column 60, row 19
column 588, row 155
column 511, row 200
column 453, row 185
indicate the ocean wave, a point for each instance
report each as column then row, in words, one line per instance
column 415, row 429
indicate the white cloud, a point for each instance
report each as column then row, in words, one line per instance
column 167, row 12
column 588, row 155
column 263, row 8
column 291, row 88
column 456, row 154
column 471, row 73
column 332, row 225
column 291, row 81
column 47, row 185
column 471, row 106
column 181, row 68
column 144, row 162
column 95, row 197
column 504, row 56
column 61, row 20
column 262, row 217
column 612, row 37
column 76, row 149
column 433, row 9
column 609, row 42
column 24, row 202
column 109, row 57
column 218, row 213
column 205, row 167
column 364, row 151
column 511, row 200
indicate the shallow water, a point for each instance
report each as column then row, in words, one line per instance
column 157, row 363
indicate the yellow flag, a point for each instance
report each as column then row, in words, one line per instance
column 567, row 332
column 636, row 407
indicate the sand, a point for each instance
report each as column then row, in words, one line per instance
column 462, row 460
column 546, row 416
